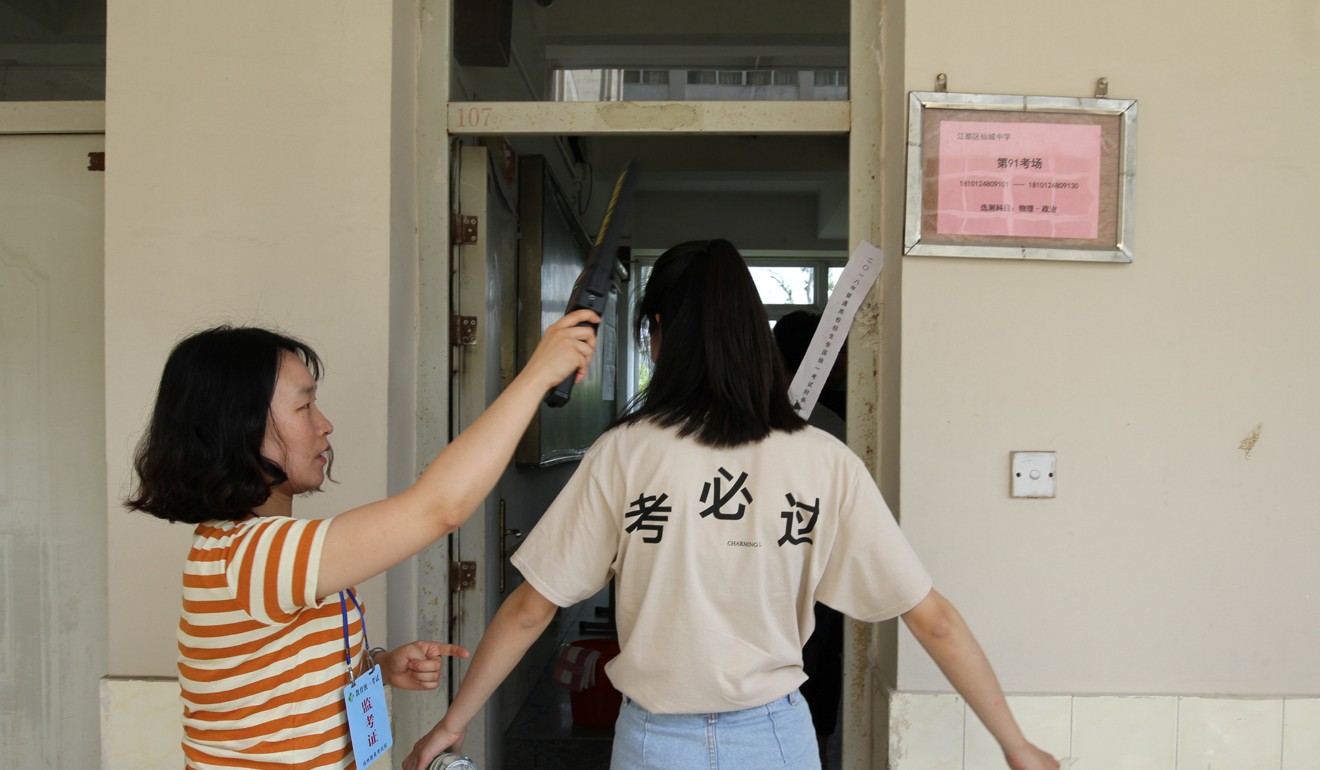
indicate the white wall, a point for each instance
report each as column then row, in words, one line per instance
column 1172, row 561
column 404, row 344
column 248, row 147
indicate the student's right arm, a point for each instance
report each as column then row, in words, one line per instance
column 368, row 540
column 941, row 630
column 520, row 621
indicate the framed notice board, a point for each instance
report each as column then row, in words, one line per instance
column 1020, row 177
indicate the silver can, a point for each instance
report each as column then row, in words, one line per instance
column 451, row 762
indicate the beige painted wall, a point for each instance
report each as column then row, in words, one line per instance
column 248, row 147
column 249, row 180
column 1172, row 561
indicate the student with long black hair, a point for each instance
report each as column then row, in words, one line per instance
column 722, row 517
column 271, row 630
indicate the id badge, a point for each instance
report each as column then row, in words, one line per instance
column 368, row 717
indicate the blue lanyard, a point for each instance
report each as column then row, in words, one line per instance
column 343, row 609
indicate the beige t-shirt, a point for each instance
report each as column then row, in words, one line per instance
column 719, row 556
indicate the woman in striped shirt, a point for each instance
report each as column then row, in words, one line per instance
column 235, row 435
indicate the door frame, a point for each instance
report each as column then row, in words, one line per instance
column 52, row 117
column 483, row 275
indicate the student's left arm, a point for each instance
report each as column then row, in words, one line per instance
column 941, row 630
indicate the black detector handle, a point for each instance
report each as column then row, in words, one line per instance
column 592, row 290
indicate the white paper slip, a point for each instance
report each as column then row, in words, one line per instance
column 857, row 279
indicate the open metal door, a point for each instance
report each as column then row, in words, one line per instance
column 483, row 302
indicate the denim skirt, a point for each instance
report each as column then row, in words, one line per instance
column 778, row 734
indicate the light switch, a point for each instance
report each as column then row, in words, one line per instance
column 1033, row 474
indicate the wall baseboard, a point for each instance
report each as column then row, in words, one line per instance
column 935, row 731
column 141, row 727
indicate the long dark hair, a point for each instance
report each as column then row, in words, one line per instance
column 200, row 458
column 718, row 376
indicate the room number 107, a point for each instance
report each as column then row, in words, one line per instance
column 473, row 117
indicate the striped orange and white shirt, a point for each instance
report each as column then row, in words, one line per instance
column 261, row 660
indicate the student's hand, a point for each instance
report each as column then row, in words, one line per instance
column 431, row 745
column 1030, row 758
column 564, row 348
column 416, row 666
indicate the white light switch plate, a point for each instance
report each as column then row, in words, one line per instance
column 1032, row 474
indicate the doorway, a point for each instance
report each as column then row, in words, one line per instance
column 774, row 196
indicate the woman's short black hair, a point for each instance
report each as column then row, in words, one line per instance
column 200, row 458
column 718, row 375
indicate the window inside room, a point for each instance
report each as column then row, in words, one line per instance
column 785, row 282
column 52, row 50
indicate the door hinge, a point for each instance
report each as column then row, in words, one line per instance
column 465, row 230
column 463, row 330
column 462, row 576
column 96, row 161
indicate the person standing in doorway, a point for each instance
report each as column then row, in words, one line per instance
column 822, row 655
column 723, row 518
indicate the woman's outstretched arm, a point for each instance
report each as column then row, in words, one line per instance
column 368, row 540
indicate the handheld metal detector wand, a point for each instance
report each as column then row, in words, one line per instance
column 592, row 290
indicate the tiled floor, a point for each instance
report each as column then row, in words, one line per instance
column 544, row 737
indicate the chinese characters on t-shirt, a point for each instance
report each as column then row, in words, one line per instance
column 725, row 497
